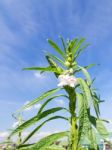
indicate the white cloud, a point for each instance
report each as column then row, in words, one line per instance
column 60, row 102
column 15, row 124
column 5, row 102
column 39, row 75
column 29, row 108
column 4, row 134
column 40, row 135
column 34, row 138
column 22, row 13
column 37, row 106
column 100, row 22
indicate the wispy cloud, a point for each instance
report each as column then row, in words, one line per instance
column 4, row 102
column 24, row 25
column 60, row 102
column 97, row 20
column 22, row 15
column 39, row 75
column 35, row 138
column 4, row 134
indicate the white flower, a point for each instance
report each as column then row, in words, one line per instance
column 15, row 124
column 67, row 80
column 37, row 106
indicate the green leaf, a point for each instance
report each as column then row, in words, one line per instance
column 57, row 59
column 48, row 100
column 86, row 91
column 80, row 50
column 98, row 124
column 56, row 48
column 89, row 66
column 96, row 107
column 71, row 45
column 49, row 69
column 85, row 72
column 54, row 148
column 54, row 65
column 84, row 123
column 96, row 102
column 101, row 128
column 92, row 139
column 77, row 69
column 36, row 118
column 78, row 46
column 24, row 147
column 44, row 95
column 46, row 141
column 63, row 43
column 38, row 127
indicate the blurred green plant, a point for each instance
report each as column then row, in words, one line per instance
column 81, row 97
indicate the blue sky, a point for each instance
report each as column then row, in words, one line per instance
column 24, row 27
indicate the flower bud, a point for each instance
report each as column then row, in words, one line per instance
column 67, row 64
column 59, row 69
column 69, row 59
column 70, row 54
column 71, row 70
column 74, row 63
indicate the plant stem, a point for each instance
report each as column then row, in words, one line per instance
column 19, row 138
column 73, row 119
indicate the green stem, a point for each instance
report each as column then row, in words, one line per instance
column 19, row 138
column 73, row 119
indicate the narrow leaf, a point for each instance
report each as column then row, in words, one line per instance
column 80, row 50
column 63, row 43
column 36, row 118
column 48, row 100
column 92, row 139
column 57, row 59
column 46, row 141
column 85, row 72
column 86, row 91
column 98, row 124
column 44, row 95
column 38, row 127
column 84, row 123
column 49, row 69
column 78, row 46
column 56, row 48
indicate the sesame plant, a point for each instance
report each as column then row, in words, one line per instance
column 80, row 94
